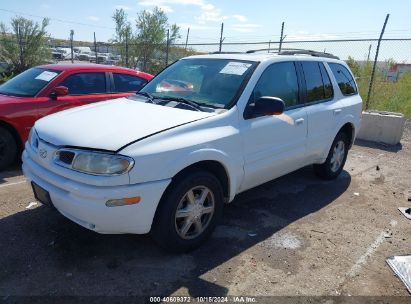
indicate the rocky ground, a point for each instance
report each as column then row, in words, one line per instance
column 296, row 235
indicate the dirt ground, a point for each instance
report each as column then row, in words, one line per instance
column 296, row 235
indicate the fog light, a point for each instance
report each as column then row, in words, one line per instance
column 123, row 201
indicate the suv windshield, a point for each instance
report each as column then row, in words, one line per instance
column 209, row 82
column 28, row 83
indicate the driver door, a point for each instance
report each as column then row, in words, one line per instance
column 83, row 87
column 275, row 145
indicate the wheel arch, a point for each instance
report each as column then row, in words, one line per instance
column 13, row 132
column 214, row 167
column 349, row 129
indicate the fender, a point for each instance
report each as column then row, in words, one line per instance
column 235, row 172
column 348, row 118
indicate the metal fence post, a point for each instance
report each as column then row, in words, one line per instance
column 95, row 46
column 221, row 37
column 126, row 49
column 168, row 46
column 281, row 38
column 367, row 103
column 71, row 45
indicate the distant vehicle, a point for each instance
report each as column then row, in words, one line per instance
column 81, row 49
column 65, row 51
column 84, row 55
column 46, row 89
column 56, row 54
column 166, row 162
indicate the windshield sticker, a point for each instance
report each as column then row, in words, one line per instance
column 46, row 76
column 235, row 68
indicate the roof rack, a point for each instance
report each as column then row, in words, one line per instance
column 285, row 51
column 226, row 52
column 309, row 52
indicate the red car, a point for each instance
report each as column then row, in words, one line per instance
column 47, row 89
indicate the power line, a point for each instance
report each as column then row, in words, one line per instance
column 57, row 19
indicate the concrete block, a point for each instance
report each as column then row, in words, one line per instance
column 382, row 127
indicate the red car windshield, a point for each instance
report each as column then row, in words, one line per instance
column 28, row 83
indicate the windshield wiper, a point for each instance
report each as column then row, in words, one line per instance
column 147, row 95
column 192, row 103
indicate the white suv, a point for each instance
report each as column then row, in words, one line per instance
column 205, row 129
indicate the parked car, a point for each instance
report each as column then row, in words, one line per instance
column 65, row 51
column 85, row 55
column 165, row 162
column 56, row 54
column 46, row 89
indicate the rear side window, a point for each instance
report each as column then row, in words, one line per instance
column 85, row 83
column 317, row 81
column 278, row 80
column 127, row 83
column 344, row 79
column 328, row 87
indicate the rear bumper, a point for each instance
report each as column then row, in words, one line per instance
column 85, row 204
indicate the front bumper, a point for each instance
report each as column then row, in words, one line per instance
column 85, row 204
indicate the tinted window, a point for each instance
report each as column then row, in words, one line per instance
column 316, row 88
column 127, row 83
column 278, row 80
column 344, row 79
column 328, row 87
column 85, row 83
column 28, row 83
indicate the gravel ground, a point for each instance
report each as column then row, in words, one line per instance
column 296, row 235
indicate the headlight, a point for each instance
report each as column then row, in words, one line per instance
column 33, row 139
column 94, row 162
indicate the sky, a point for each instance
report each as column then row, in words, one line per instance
column 244, row 20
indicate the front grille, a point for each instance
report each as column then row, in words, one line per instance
column 66, row 157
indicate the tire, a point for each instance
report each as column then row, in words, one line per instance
column 182, row 222
column 8, row 149
column 336, row 158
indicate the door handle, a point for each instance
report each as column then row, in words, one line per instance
column 299, row 121
column 337, row 111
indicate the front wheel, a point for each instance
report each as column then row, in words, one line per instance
column 188, row 212
column 336, row 158
column 8, row 149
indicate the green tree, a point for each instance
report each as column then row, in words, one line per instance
column 25, row 45
column 123, row 36
column 151, row 37
column 354, row 66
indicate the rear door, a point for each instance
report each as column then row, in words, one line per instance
column 324, row 108
column 275, row 145
column 84, row 88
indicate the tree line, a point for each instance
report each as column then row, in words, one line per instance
column 23, row 44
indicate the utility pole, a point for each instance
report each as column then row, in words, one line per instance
column 269, row 46
column 95, row 46
column 281, row 38
column 168, row 45
column 221, row 37
column 375, row 62
column 71, row 45
column 188, row 33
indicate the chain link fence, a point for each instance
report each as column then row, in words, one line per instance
column 392, row 83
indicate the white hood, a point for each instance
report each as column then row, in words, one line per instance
column 111, row 125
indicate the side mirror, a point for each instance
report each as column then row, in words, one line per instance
column 59, row 91
column 266, row 105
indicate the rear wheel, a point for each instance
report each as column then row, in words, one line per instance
column 188, row 212
column 8, row 148
column 336, row 158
